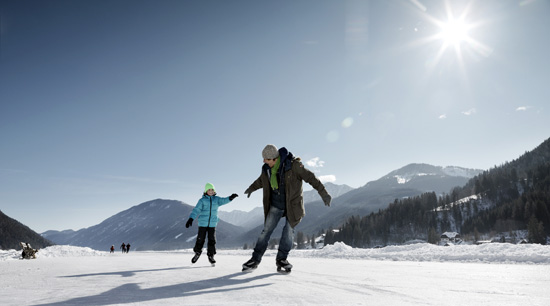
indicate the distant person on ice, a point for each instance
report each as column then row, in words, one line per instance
column 207, row 212
column 281, row 180
column 123, row 247
column 112, row 248
column 127, row 247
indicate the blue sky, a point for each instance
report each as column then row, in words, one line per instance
column 108, row 104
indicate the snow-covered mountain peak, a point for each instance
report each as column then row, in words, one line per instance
column 462, row 172
column 403, row 179
column 333, row 189
column 409, row 172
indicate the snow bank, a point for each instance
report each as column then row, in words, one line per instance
column 9, row 254
column 485, row 253
column 69, row 251
column 54, row 251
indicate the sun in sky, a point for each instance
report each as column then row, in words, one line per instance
column 455, row 32
column 453, row 35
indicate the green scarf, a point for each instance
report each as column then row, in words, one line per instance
column 274, row 170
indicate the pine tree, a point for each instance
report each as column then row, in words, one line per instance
column 329, row 237
column 300, row 240
column 536, row 231
column 433, row 237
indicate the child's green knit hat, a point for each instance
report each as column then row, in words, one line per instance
column 209, row 186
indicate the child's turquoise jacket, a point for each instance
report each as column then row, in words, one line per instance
column 207, row 210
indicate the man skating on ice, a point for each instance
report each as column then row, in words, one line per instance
column 281, row 181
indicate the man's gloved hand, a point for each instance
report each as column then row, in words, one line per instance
column 248, row 192
column 231, row 197
column 189, row 223
column 327, row 199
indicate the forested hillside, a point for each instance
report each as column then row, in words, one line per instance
column 501, row 201
column 12, row 232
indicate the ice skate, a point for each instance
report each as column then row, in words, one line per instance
column 250, row 265
column 196, row 257
column 212, row 260
column 283, row 266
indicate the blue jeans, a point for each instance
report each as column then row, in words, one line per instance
column 285, row 244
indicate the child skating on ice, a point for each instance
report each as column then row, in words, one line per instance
column 206, row 211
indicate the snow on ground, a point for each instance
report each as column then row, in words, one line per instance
column 418, row 274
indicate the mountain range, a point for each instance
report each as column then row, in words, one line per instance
column 160, row 224
column 408, row 181
column 154, row 225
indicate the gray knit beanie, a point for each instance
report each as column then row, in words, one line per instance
column 270, row 152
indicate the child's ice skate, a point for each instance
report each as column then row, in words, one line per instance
column 196, row 257
column 212, row 260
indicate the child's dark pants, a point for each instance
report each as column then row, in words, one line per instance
column 211, row 248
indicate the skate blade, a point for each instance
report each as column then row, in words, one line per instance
column 248, row 270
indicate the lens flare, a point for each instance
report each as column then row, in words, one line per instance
column 348, row 122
